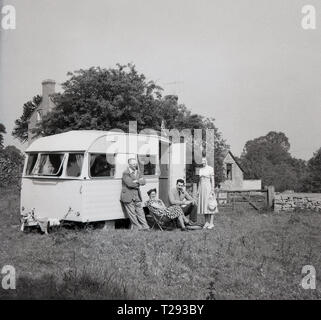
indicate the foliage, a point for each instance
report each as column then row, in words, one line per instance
column 312, row 180
column 105, row 99
column 2, row 130
column 20, row 130
column 11, row 164
column 268, row 158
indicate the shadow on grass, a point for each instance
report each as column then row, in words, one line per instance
column 82, row 286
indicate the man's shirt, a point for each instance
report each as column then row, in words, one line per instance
column 176, row 197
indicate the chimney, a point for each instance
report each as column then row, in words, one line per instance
column 48, row 88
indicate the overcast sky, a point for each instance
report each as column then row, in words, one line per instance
column 247, row 63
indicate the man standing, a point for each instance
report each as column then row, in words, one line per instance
column 178, row 196
column 131, row 197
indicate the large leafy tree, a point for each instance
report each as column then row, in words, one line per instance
column 20, row 130
column 312, row 182
column 268, row 158
column 104, row 99
column 2, row 131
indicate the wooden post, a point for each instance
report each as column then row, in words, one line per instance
column 270, row 196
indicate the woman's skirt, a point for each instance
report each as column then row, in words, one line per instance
column 173, row 212
column 204, row 191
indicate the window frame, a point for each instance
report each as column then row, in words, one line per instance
column 102, row 177
column 61, row 167
column 27, row 160
column 157, row 166
column 231, row 171
column 64, row 172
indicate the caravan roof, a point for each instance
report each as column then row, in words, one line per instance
column 78, row 140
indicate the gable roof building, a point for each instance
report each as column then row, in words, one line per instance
column 234, row 175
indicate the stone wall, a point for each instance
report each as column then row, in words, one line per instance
column 297, row 201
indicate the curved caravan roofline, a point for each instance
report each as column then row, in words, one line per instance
column 78, row 140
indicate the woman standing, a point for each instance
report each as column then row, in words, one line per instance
column 205, row 192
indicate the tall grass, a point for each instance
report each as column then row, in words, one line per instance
column 247, row 256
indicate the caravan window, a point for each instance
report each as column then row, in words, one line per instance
column 32, row 159
column 74, row 165
column 50, row 164
column 147, row 164
column 102, row 165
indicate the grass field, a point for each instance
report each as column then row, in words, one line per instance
column 248, row 256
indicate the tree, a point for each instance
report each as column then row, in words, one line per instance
column 20, row 130
column 312, row 180
column 11, row 164
column 105, row 99
column 268, row 158
column 2, row 131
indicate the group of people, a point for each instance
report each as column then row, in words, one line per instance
column 183, row 207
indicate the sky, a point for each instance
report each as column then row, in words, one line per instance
column 247, row 63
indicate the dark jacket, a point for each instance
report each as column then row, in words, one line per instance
column 130, row 190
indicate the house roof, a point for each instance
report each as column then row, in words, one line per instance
column 77, row 140
column 235, row 160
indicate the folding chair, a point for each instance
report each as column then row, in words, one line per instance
column 155, row 220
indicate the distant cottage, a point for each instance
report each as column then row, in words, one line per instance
column 234, row 175
column 46, row 105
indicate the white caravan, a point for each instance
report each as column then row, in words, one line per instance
column 76, row 176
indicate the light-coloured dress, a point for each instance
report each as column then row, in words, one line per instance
column 204, row 189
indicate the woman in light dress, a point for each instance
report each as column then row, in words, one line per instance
column 205, row 189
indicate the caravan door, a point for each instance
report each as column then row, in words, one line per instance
column 177, row 166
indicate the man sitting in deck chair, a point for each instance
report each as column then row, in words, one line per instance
column 161, row 214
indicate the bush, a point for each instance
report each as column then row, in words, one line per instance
column 11, row 165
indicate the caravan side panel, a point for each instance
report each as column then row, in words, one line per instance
column 101, row 199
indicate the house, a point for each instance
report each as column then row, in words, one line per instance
column 46, row 105
column 234, row 175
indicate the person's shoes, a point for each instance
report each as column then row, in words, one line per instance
column 210, row 226
column 144, row 229
column 184, row 229
column 206, row 225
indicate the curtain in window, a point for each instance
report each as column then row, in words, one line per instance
column 32, row 159
column 93, row 157
column 43, row 160
column 79, row 159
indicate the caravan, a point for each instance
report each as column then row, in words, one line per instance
column 76, row 176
